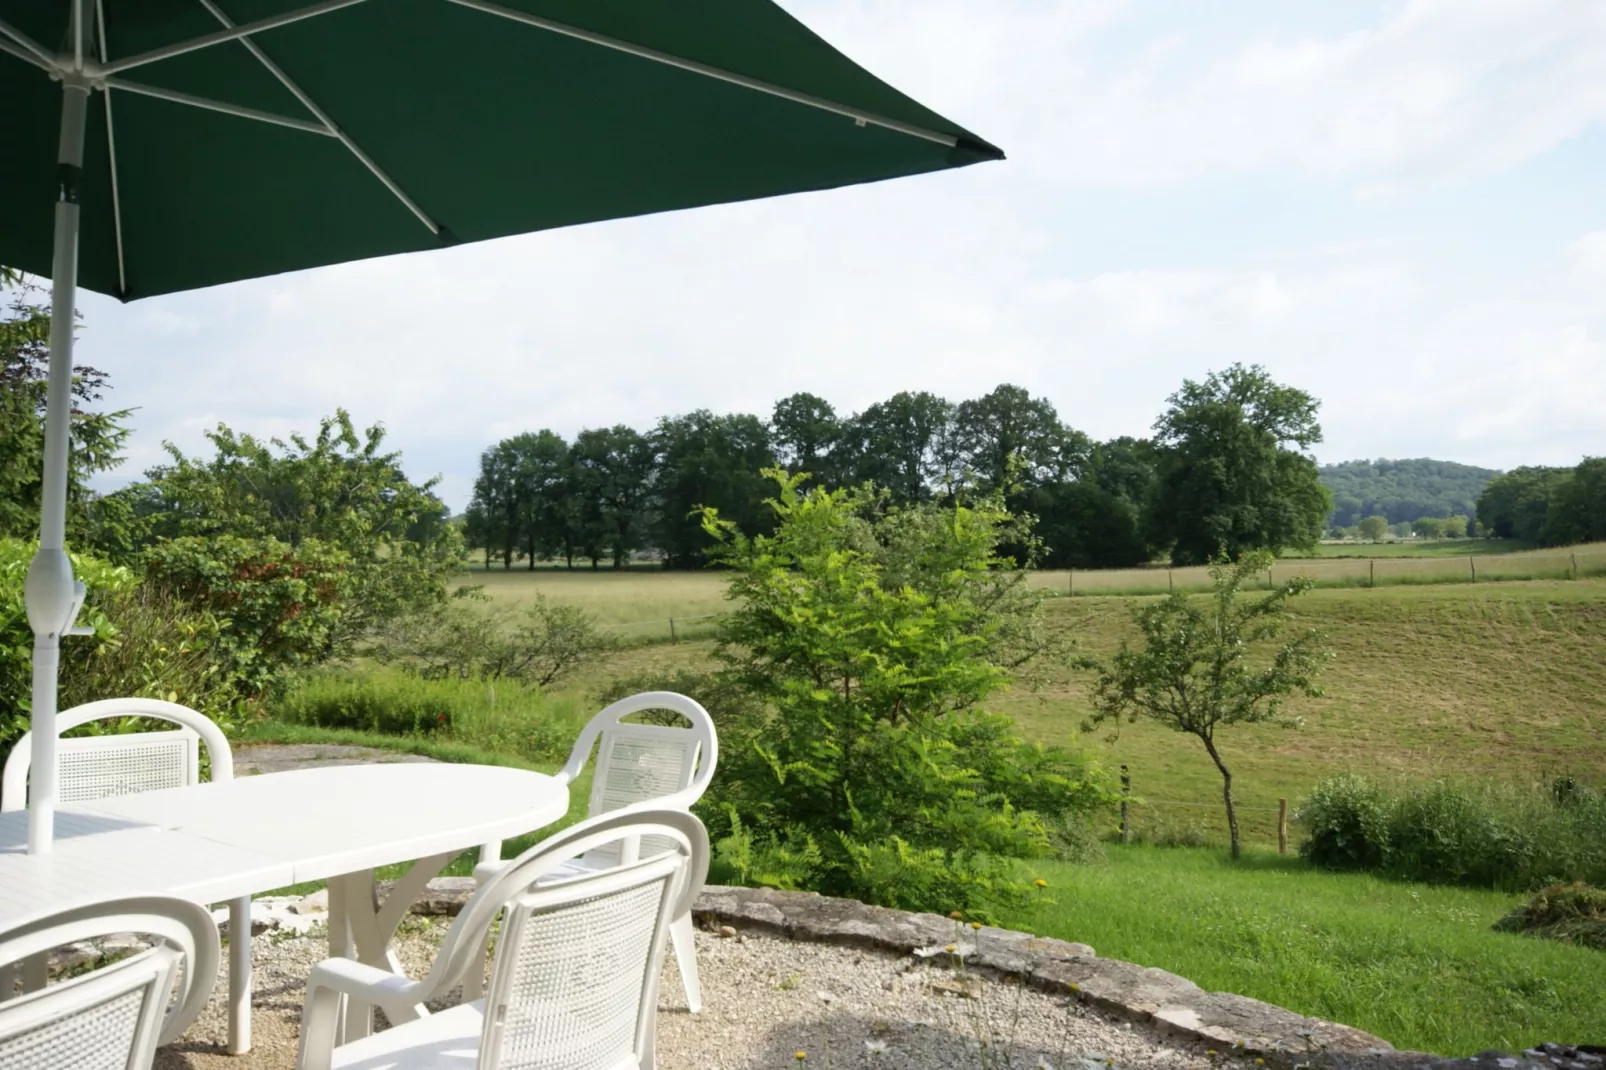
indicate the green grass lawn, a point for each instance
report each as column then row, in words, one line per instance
column 1415, row 965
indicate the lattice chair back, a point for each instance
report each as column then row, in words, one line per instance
column 640, row 763
column 96, row 767
column 574, row 984
column 111, row 1018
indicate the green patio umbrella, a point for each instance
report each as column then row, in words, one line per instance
column 195, row 142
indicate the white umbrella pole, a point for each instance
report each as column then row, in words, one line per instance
column 51, row 594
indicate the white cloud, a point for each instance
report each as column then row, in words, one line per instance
column 956, row 282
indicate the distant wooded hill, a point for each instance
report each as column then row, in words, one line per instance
column 1403, row 490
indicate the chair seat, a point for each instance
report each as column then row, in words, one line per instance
column 449, row 1040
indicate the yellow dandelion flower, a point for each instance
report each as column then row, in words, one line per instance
column 800, row 1055
column 1041, row 883
column 975, row 925
column 956, row 914
column 1260, row 1062
column 951, row 948
column 1074, row 987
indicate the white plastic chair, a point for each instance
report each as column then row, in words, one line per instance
column 117, row 1015
column 574, row 984
column 640, row 763
column 98, row 767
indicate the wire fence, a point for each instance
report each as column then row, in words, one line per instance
column 1582, row 563
column 676, row 626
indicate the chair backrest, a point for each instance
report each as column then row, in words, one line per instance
column 645, row 763
column 95, row 767
column 577, row 961
column 113, row 1017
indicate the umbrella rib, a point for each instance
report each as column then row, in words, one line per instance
column 216, row 105
column 708, row 71
column 111, row 156
column 21, row 52
column 234, row 32
column 329, row 125
column 26, row 47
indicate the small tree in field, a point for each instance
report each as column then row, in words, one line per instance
column 1198, row 672
column 1373, row 528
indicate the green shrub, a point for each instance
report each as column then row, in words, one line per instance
column 493, row 716
column 155, row 646
column 1572, row 913
column 16, row 637
column 1346, row 820
column 1453, row 833
column 855, row 758
column 279, row 605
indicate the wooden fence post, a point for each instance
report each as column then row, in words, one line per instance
column 673, row 638
column 1372, row 570
column 1575, row 565
column 1474, row 563
column 1282, row 826
column 1126, row 790
column 1071, row 583
column 1170, row 585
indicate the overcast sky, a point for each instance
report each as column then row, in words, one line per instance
column 1400, row 207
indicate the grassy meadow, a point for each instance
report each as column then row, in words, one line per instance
column 1414, row 964
column 637, row 602
column 1499, row 679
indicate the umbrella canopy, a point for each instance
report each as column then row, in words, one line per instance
column 196, row 142
column 388, row 126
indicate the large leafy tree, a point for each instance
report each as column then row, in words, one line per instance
column 806, row 430
column 1515, row 505
column 1207, row 665
column 337, row 493
column 97, row 437
column 1233, row 474
column 1009, row 437
column 611, row 468
column 904, row 444
column 1577, row 511
column 704, row 460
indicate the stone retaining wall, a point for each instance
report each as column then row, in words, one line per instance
column 1220, row 1019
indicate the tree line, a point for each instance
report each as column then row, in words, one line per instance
column 1548, row 506
column 1226, row 469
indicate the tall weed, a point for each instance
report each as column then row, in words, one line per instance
column 493, row 715
column 1447, row 832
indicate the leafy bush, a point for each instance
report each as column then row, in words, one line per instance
column 1450, row 833
column 467, row 638
column 496, row 717
column 278, row 606
column 16, row 637
column 1346, row 820
column 155, row 647
column 1571, row 913
column 864, row 640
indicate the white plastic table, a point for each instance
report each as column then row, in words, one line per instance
column 217, row 841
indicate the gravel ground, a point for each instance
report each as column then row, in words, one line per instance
column 766, row 999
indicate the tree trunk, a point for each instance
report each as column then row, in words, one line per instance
column 532, row 551
column 1226, row 793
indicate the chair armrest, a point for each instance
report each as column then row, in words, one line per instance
column 320, row 1015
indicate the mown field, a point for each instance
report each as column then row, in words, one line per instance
column 1500, row 679
column 639, row 601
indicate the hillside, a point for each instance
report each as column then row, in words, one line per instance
column 1403, row 490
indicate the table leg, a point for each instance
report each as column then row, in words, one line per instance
column 367, row 928
column 240, row 976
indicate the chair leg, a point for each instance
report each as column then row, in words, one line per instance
column 36, row 971
column 240, row 976
column 680, row 934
